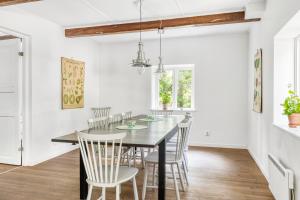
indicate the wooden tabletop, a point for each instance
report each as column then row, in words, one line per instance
column 149, row 137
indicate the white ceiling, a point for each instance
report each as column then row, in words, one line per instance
column 76, row 13
column 73, row 13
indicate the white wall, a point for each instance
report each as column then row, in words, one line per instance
column 263, row 136
column 221, row 63
column 48, row 44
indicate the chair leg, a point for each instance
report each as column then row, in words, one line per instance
column 90, row 192
column 153, row 174
column 185, row 173
column 135, row 191
column 175, row 183
column 180, row 177
column 142, row 157
column 118, row 192
column 128, row 158
column 103, row 193
column 186, row 161
column 145, row 181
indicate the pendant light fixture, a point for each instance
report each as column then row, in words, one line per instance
column 141, row 62
column 160, row 68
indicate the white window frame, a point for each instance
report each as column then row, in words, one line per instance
column 155, row 86
column 297, row 65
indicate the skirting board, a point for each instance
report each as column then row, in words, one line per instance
column 52, row 155
column 227, row 146
column 260, row 166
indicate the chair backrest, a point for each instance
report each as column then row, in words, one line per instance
column 116, row 118
column 182, row 139
column 127, row 115
column 101, row 112
column 100, row 122
column 162, row 112
column 101, row 156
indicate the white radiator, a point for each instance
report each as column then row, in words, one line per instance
column 281, row 180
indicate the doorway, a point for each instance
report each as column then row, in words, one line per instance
column 11, row 99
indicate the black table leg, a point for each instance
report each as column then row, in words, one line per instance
column 162, row 170
column 83, row 183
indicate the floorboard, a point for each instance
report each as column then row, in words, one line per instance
column 216, row 174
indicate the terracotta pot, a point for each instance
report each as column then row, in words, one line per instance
column 294, row 120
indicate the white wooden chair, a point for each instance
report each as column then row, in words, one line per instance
column 165, row 113
column 103, row 169
column 127, row 115
column 100, row 122
column 171, row 147
column 173, row 159
column 116, row 118
column 101, row 112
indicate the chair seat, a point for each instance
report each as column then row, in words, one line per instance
column 153, row 157
column 125, row 174
column 171, row 148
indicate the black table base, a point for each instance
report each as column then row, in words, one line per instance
column 83, row 183
column 161, row 170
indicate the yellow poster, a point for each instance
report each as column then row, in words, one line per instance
column 72, row 83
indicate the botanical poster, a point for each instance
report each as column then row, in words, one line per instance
column 72, row 83
column 257, row 104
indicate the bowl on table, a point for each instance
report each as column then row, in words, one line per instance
column 131, row 123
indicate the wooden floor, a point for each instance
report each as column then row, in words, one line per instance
column 6, row 168
column 216, row 174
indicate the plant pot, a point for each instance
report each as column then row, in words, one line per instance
column 165, row 106
column 294, row 120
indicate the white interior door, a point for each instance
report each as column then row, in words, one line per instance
column 10, row 102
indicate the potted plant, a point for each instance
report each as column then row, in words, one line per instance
column 291, row 108
column 165, row 100
column 165, row 90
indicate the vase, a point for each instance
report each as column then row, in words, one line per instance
column 294, row 120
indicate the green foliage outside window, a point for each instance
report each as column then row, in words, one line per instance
column 184, row 93
column 184, row 88
column 166, row 88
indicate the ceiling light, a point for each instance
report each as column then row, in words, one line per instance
column 141, row 62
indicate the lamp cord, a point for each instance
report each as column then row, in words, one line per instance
column 160, row 30
column 140, row 20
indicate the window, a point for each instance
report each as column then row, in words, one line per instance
column 174, row 89
column 297, row 66
column 286, row 69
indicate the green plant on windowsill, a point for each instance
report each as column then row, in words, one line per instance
column 291, row 108
column 165, row 99
column 165, row 90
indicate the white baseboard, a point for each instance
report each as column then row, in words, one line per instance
column 260, row 166
column 51, row 155
column 227, row 146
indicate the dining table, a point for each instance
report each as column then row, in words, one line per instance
column 156, row 133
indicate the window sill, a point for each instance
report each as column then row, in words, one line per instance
column 293, row 131
column 177, row 110
column 184, row 110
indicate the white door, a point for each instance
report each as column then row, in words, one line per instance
column 10, row 102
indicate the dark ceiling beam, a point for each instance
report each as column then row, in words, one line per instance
column 7, row 37
column 13, row 2
column 204, row 20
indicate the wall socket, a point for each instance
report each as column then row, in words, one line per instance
column 207, row 133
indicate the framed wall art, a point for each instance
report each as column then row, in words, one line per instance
column 257, row 103
column 73, row 73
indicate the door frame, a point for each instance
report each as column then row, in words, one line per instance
column 26, row 94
